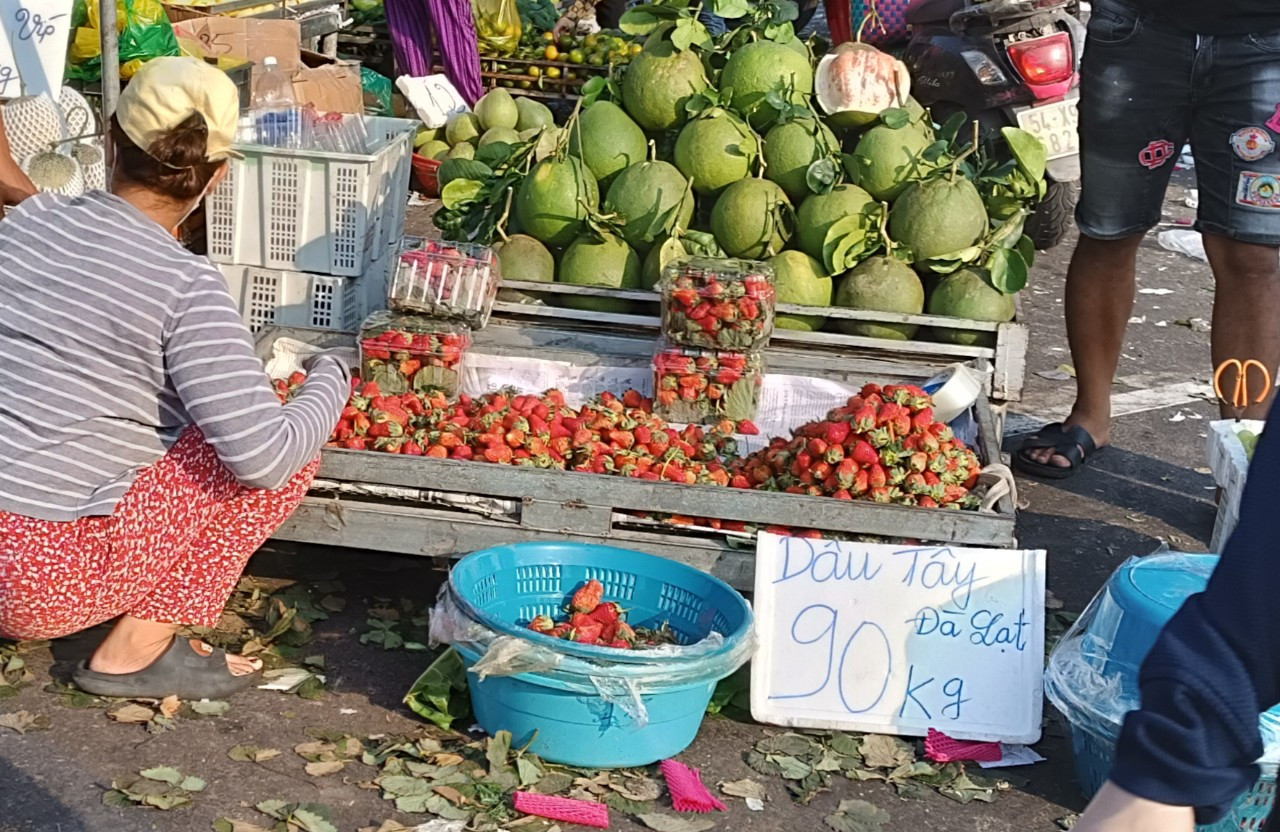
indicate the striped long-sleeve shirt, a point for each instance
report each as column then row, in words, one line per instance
column 113, row 340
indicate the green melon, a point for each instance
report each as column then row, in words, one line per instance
column 608, row 140
column 497, row 109
column 650, row 200
column 801, row 280
column 549, row 205
column 938, row 217
column 752, row 218
column 967, row 294
column 762, row 67
column 887, row 160
column 608, row 262
column 789, row 150
column 821, row 211
column 716, row 151
column 881, row 284
column 659, row 82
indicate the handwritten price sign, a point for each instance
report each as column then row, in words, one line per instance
column 899, row 639
column 33, row 48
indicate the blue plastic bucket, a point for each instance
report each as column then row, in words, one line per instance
column 561, row 712
column 1134, row 607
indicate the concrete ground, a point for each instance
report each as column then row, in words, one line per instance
column 1149, row 490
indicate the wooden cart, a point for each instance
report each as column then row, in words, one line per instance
column 445, row 508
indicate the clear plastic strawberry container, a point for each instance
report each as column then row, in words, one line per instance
column 698, row 386
column 718, row 304
column 403, row 352
column 453, row 281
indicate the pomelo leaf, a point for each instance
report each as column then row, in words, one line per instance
column 933, row 152
column 639, row 20
column 493, row 154
column 1028, row 150
column 896, row 118
column 1008, row 270
column 821, row 176
column 1007, row 234
column 951, row 127
column 1027, row 248
column 731, row 9
column 460, row 191
column 690, row 32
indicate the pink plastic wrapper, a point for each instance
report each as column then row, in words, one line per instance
column 688, row 794
column 942, row 749
column 563, row 809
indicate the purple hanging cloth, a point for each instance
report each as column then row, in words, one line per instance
column 412, row 22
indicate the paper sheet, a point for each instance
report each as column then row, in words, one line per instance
column 1014, row 755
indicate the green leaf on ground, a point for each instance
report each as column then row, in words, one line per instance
column 24, row 721
column 252, row 754
column 163, row 774
column 879, row 751
column 857, row 816
column 618, row 803
column 660, row 822
column 206, row 707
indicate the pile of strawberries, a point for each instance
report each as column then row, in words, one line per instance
column 883, row 445
column 733, row 313
column 594, row 621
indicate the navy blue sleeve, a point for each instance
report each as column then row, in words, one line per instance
column 1215, row 668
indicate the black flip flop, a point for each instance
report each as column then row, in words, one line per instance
column 180, row 671
column 1073, row 444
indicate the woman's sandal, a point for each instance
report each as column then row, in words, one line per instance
column 184, row 670
column 1074, row 444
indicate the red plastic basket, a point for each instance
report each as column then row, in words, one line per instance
column 427, row 172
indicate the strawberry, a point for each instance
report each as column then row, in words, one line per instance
column 588, row 633
column 588, row 597
column 864, row 454
column 837, row 432
column 542, row 624
column 499, row 454
column 619, row 644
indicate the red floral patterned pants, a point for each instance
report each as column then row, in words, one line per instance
column 172, row 551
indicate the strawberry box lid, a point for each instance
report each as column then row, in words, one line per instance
column 700, row 271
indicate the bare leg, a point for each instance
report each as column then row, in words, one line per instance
column 134, row 643
column 1246, row 308
column 1099, row 300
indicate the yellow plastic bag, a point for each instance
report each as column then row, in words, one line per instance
column 145, row 33
column 498, row 26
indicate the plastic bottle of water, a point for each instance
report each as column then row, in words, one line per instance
column 275, row 110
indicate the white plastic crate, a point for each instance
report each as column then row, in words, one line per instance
column 312, row 211
column 1230, row 466
column 290, row 298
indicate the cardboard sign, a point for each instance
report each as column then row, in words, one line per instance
column 896, row 639
column 334, row 88
column 434, row 98
column 33, row 48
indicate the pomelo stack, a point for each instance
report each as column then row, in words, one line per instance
column 717, row 316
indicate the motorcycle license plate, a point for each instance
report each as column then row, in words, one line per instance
column 1055, row 125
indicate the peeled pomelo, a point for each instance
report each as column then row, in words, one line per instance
column 857, row 82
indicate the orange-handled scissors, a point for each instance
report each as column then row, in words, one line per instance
column 1240, row 397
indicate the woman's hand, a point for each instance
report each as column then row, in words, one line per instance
column 564, row 26
column 1115, row 810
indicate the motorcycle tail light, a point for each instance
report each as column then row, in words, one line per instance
column 1046, row 60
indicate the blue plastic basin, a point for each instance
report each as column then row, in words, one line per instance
column 561, row 712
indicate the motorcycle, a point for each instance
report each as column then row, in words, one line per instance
column 1007, row 63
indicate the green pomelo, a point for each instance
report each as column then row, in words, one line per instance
column 533, row 115
column 967, row 294
column 497, row 109
column 426, row 134
column 607, row 262
column 821, row 211
column 752, row 218
column 462, row 127
column 434, row 149
column 881, row 284
column 715, row 152
column 523, row 258
column 649, row 199
column 463, row 150
column 789, row 150
column 550, row 202
column 759, row 68
column 607, row 139
column 453, row 169
column 892, row 159
column 659, row 82
column 803, row 281
column 938, row 217
column 499, row 134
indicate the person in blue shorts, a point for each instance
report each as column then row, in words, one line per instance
column 1157, row 74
